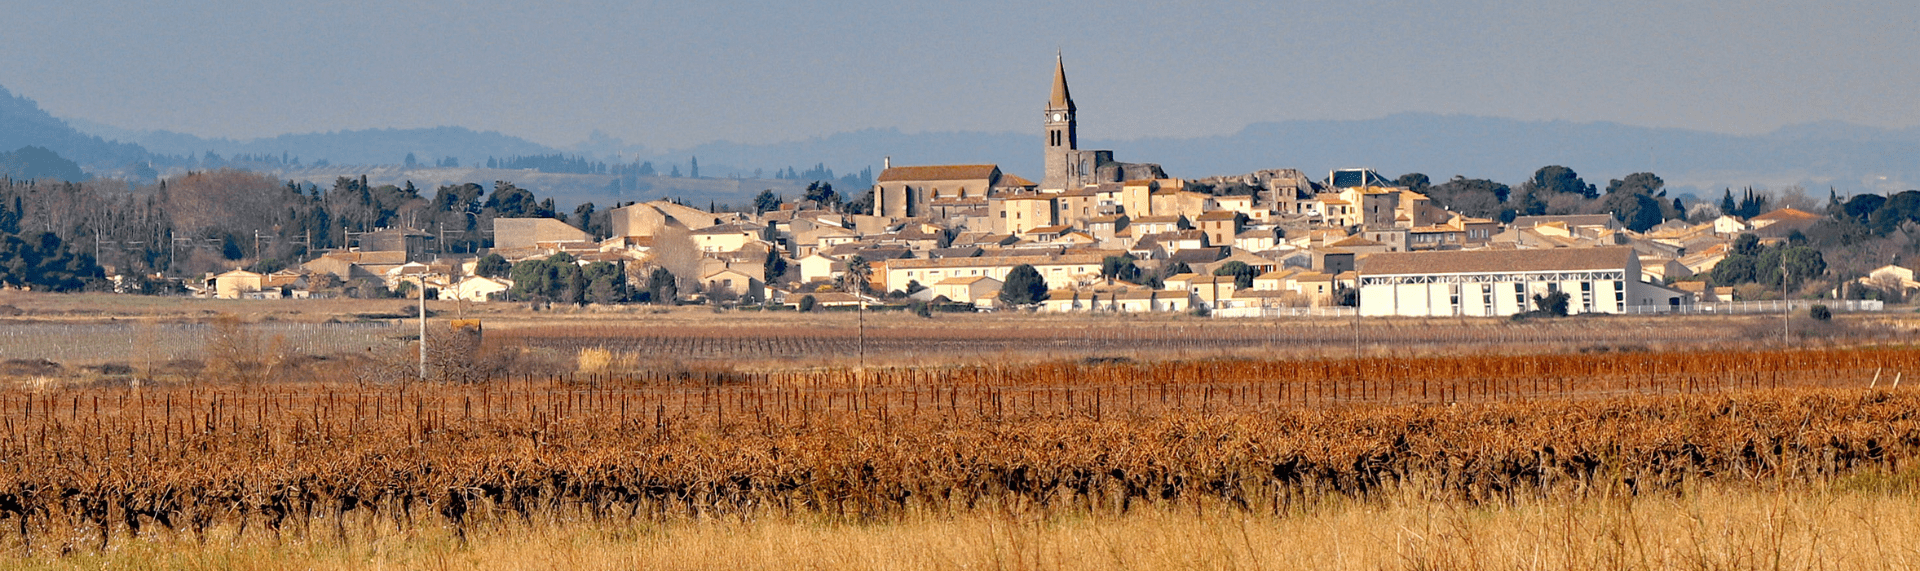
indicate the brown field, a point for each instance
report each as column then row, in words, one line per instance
column 84, row 333
column 690, row 439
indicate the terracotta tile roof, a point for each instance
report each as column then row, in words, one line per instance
column 938, row 172
column 969, row 280
column 1041, row 260
column 1197, row 255
column 1015, row 180
column 1497, row 261
column 1568, row 219
column 956, row 252
column 728, row 229
column 1218, row 215
column 1139, row 294
column 1355, row 241
column 1787, row 214
column 1259, row 293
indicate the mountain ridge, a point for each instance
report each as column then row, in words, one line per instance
column 1849, row 157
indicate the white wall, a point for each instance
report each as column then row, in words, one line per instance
column 1508, row 298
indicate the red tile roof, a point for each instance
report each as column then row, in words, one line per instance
column 939, row 172
column 1787, row 214
column 1015, row 180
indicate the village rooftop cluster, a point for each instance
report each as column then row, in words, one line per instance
column 1104, row 236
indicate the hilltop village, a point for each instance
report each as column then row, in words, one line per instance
column 1093, row 234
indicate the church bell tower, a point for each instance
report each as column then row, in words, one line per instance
column 1061, row 139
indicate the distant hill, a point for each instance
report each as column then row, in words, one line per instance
column 568, row 190
column 856, row 150
column 24, row 124
column 35, row 163
column 1851, row 158
column 364, row 147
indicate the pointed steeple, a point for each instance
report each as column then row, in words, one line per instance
column 1060, row 99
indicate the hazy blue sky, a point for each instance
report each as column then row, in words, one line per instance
column 674, row 74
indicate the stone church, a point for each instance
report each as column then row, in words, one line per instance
column 945, row 190
column 1068, row 166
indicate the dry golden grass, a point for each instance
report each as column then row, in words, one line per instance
column 1505, row 455
column 101, row 470
column 1708, row 527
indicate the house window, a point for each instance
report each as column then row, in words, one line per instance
column 1520, row 295
column 1620, row 295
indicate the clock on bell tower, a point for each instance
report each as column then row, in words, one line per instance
column 1061, row 136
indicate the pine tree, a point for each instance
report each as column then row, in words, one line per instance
column 1024, row 286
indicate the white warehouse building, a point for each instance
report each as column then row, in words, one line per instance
column 1497, row 283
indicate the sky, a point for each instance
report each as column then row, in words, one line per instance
column 675, row 74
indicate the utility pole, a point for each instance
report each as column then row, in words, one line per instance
column 1356, row 310
column 1786, row 314
column 422, row 281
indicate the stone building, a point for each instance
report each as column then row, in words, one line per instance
column 912, row 192
column 517, row 233
column 1068, row 166
column 415, row 243
column 1505, row 282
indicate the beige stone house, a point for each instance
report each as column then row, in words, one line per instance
column 975, row 290
column 237, row 284
column 743, row 286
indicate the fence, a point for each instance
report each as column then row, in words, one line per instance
column 1283, row 312
column 1743, row 307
